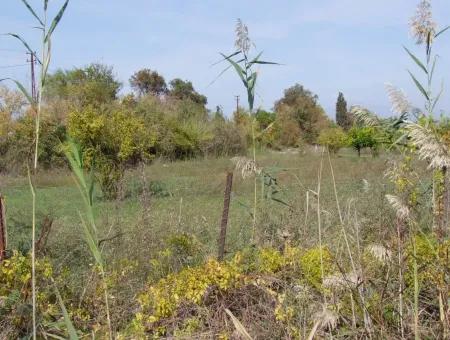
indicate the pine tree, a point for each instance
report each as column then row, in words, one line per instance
column 343, row 118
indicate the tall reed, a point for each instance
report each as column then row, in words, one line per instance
column 244, row 65
column 86, row 187
column 36, row 106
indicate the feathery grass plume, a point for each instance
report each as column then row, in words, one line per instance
column 422, row 24
column 399, row 101
column 365, row 185
column 327, row 319
column 341, row 281
column 400, row 208
column 429, row 145
column 242, row 42
column 364, row 116
column 380, row 252
column 246, row 166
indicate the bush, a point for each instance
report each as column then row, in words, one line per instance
column 333, row 138
column 111, row 141
column 17, row 146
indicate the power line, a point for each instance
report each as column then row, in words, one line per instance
column 11, row 66
column 11, row 50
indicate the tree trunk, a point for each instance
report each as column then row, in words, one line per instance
column 224, row 221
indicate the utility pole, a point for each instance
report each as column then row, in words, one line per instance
column 32, row 61
column 237, row 103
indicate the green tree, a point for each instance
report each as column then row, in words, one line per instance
column 146, row 81
column 264, row 118
column 94, row 84
column 302, row 105
column 181, row 89
column 363, row 137
column 343, row 116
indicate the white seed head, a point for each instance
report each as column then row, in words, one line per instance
column 364, row 116
column 246, row 166
column 365, row 185
column 401, row 209
column 328, row 319
column 338, row 281
column 399, row 101
column 242, row 42
column 380, row 252
column 430, row 146
column 421, row 24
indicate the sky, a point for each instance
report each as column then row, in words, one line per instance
column 328, row 46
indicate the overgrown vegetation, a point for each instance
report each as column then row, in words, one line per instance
column 323, row 241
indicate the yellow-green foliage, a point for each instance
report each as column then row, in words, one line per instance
column 116, row 135
column 190, row 286
column 311, row 264
column 431, row 262
column 15, row 272
column 111, row 140
column 15, row 289
column 333, row 138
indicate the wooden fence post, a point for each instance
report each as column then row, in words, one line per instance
column 224, row 221
column 3, row 232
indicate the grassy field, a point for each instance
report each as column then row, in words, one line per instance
column 168, row 222
column 187, row 197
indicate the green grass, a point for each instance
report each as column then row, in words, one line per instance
column 189, row 198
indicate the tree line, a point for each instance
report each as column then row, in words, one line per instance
column 158, row 119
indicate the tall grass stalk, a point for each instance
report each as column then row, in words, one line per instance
column 75, row 157
column 243, row 64
column 319, row 221
column 36, row 105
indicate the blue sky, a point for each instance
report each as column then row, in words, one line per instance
column 326, row 45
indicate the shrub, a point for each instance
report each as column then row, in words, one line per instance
column 110, row 142
column 333, row 138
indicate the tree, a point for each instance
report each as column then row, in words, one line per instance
column 343, row 117
column 146, row 81
column 181, row 89
column 363, row 137
column 94, row 84
column 301, row 105
column 334, row 138
column 264, row 118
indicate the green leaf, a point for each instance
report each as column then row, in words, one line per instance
column 18, row 37
column 419, row 86
column 92, row 243
column 416, row 60
column 227, row 57
column 22, row 89
column 33, row 12
column 266, row 62
column 441, row 32
column 254, row 60
column 433, row 68
column 45, row 5
column 70, row 328
column 239, row 70
column 56, row 21
column 438, row 97
column 46, row 64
